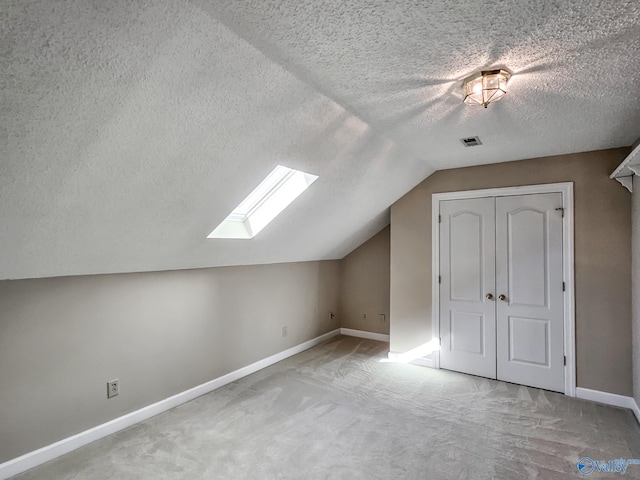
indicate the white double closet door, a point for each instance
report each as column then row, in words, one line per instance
column 501, row 291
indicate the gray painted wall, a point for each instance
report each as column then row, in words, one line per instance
column 161, row 333
column 602, row 257
column 364, row 285
column 635, row 254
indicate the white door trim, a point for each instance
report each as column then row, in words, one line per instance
column 566, row 189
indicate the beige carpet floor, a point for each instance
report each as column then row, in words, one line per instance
column 337, row 411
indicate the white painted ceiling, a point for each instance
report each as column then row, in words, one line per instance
column 131, row 129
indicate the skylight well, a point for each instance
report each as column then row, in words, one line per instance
column 281, row 187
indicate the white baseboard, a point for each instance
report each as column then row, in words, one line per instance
column 609, row 399
column 381, row 337
column 636, row 410
column 423, row 362
column 45, row 454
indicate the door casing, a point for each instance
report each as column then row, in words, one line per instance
column 566, row 189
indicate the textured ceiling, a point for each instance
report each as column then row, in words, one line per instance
column 131, row 129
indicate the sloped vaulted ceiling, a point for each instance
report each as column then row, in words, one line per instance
column 131, row 129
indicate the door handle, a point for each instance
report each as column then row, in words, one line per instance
column 502, row 297
column 489, row 296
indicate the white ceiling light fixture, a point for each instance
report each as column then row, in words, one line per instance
column 281, row 187
column 485, row 87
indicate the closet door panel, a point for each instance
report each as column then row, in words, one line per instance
column 467, row 286
column 530, row 305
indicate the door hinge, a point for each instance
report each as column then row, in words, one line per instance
column 439, row 278
column 565, row 360
column 439, row 218
column 561, row 211
column 440, row 341
column 564, row 287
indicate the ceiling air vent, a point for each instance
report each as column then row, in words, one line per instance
column 471, row 141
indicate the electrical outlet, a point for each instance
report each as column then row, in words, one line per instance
column 113, row 388
column 331, row 315
column 382, row 318
column 364, row 315
column 284, row 331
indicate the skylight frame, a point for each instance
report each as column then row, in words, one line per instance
column 265, row 202
column 272, row 182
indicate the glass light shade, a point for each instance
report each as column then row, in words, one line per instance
column 485, row 87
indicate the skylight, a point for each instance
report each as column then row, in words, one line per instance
column 281, row 187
